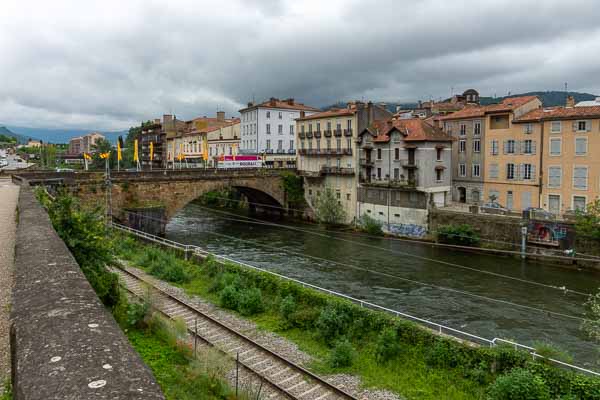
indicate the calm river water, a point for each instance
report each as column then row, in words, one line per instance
column 457, row 289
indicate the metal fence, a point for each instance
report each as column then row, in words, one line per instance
column 436, row 327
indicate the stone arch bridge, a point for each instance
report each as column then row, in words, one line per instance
column 162, row 194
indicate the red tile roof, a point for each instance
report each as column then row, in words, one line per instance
column 506, row 105
column 560, row 113
column 288, row 104
column 413, row 129
column 335, row 112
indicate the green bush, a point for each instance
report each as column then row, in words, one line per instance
column 462, row 235
column 387, row 345
column 342, row 355
column 332, row 323
column 370, row 225
column 519, row 384
column 287, row 308
column 550, row 350
column 442, row 354
column 250, row 302
column 230, row 297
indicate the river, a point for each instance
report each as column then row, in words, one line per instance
column 485, row 295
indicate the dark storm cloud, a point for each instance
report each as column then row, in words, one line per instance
column 110, row 64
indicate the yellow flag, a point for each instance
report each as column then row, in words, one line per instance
column 104, row 155
column 204, row 148
column 151, row 151
column 119, row 149
column 135, row 150
column 87, row 156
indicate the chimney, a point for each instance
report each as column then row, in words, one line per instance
column 290, row 101
column 302, row 114
column 220, row 116
column 369, row 113
column 570, row 101
column 272, row 101
column 250, row 104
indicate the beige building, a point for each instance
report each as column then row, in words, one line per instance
column 85, row 143
column 328, row 155
column 570, row 173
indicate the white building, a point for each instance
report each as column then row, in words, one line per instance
column 268, row 128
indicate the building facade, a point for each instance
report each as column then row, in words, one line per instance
column 152, row 133
column 490, row 154
column 570, row 172
column 269, row 128
column 85, row 143
column 405, row 170
column 327, row 152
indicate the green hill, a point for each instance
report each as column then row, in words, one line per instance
column 549, row 99
column 4, row 131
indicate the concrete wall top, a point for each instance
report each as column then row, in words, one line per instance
column 64, row 343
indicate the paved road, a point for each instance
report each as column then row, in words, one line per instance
column 9, row 194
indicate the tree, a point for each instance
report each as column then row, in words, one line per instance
column 587, row 223
column 103, row 146
column 329, row 210
column 293, row 186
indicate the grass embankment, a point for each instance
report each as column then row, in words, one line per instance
column 386, row 352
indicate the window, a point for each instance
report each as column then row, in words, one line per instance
column 396, row 153
column 309, row 128
column 509, row 147
column 338, row 143
column 476, row 170
column 580, row 176
column 396, row 174
column 554, row 177
column 329, row 126
column 280, row 129
column 510, row 171
column 280, row 115
column 348, row 197
column 477, row 145
column 527, row 171
column 349, row 124
column 268, row 144
column 379, row 154
column 291, row 129
column 528, row 128
column 302, row 129
column 579, row 203
column 268, row 129
column 580, row 146
column 555, row 145
column 555, row 127
column 494, row 147
column 268, row 114
column 477, row 128
column 378, row 173
column 462, row 170
column 280, row 144
column 439, row 176
column 318, row 144
column 462, row 146
column 554, row 203
column 528, row 146
column 349, row 143
column 448, row 127
column 582, row 126
column 439, row 154
column 291, row 145
column 318, row 127
column 494, row 171
column 463, row 129
column 328, row 144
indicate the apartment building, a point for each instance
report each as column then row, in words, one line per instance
column 405, row 169
column 223, row 141
column 152, row 133
column 493, row 157
column 570, row 173
column 269, row 128
column 327, row 151
column 85, row 143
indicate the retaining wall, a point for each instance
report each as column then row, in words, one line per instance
column 64, row 343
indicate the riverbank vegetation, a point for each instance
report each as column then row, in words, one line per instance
column 386, row 352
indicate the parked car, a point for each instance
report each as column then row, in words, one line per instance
column 494, row 208
column 65, row 170
column 538, row 213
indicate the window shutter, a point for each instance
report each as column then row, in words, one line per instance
column 505, row 144
column 533, row 147
column 588, row 126
column 521, row 171
column 575, row 126
column 521, row 144
column 533, row 172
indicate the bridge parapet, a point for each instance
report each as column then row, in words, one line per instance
column 64, row 343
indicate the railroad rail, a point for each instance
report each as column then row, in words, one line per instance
column 285, row 376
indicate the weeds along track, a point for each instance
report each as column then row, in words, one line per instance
column 285, row 376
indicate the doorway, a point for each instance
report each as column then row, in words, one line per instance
column 462, row 195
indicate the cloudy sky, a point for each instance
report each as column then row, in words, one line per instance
column 108, row 64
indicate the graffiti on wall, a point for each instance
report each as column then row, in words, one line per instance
column 410, row 230
column 550, row 233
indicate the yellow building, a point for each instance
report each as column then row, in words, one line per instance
column 570, row 174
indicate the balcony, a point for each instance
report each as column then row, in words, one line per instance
column 336, row 171
column 327, row 133
column 291, row 151
column 337, row 133
column 302, row 152
column 309, row 135
column 348, row 132
column 281, row 151
column 389, row 183
column 366, row 162
column 301, row 135
column 317, row 134
column 409, row 164
column 366, row 145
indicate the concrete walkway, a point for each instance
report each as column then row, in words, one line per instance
column 9, row 195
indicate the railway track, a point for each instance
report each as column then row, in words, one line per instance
column 283, row 375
